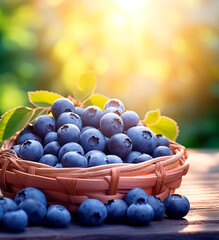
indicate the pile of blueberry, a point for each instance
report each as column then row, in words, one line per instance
column 137, row 208
column 86, row 137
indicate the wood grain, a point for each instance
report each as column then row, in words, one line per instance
column 200, row 186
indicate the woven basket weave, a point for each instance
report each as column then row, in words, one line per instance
column 71, row 186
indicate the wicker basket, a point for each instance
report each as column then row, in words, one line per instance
column 71, row 186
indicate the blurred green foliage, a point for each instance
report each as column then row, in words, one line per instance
column 150, row 54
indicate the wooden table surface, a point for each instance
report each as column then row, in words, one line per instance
column 200, row 186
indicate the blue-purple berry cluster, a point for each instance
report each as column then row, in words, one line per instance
column 87, row 137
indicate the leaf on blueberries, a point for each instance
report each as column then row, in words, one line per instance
column 85, row 86
column 166, row 126
column 43, row 98
column 98, row 100
column 14, row 120
column 152, row 117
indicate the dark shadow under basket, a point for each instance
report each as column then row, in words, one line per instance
column 71, row 186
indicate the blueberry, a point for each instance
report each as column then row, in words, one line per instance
column 6, row 204
column 130, row 119
column 176, row 206
column 120, row 145
column 36, row 211
column 70, row 147
column 44, row 124
column 15, row 221
column 52, row 148
column 28, row 129
column 31, row 150
column 30, row 192
column 132, row 156
column 68, row 133
column 161, row 151
column 86, row 128
column 92, row 212
column 58, row 216
column 62, row 105
column 134, row 194
column 118, row 111
column 92, row 139
column 91, row 116
column 114, row 103
column 95, row 158
column 158, row 206
column 29, row 136
column 69, row 117
column 74, row 159
column 110, row 159
column 162, row 140
column 142, row 158
column 88, row 154
column 116, row 210
column 50, row 137
column 58, row 165
column 140, row 213
column 49, row 159
column 79, row 110
column 111, row 124
column 143, row 139
column 16, row 148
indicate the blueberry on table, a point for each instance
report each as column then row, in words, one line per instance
column 111, row 159
column 162, row 140
column 92, row 139
column 142, row 158
column 30, row 192
column 74, row 159
column 15, row 221
column 130, row 119
column 52, row 148
column 31, row 150
column 62, row 105
column 111, row 124
column 50, row 137
column 91, row 116
column 44, row 124
column 134, row 194
column 49, row 159
column 176, row 206
column 140, row 213
column 70, row 147
column 157, row 205
column 116, row 103
column 143, row 139
column 116, row 210
column 120, row 145
column 69, row 117
column 161, row 151
column 6, row 204
column 36, row 211
column 58, row 216
column 92, row 212
column 68, row 133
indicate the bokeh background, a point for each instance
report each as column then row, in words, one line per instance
column 148, row 53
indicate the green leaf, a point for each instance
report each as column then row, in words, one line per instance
column 43, row 98
column 166, row 126
column 152, row 117
column 85, row 86
column 97, row 100
column 14, row 120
